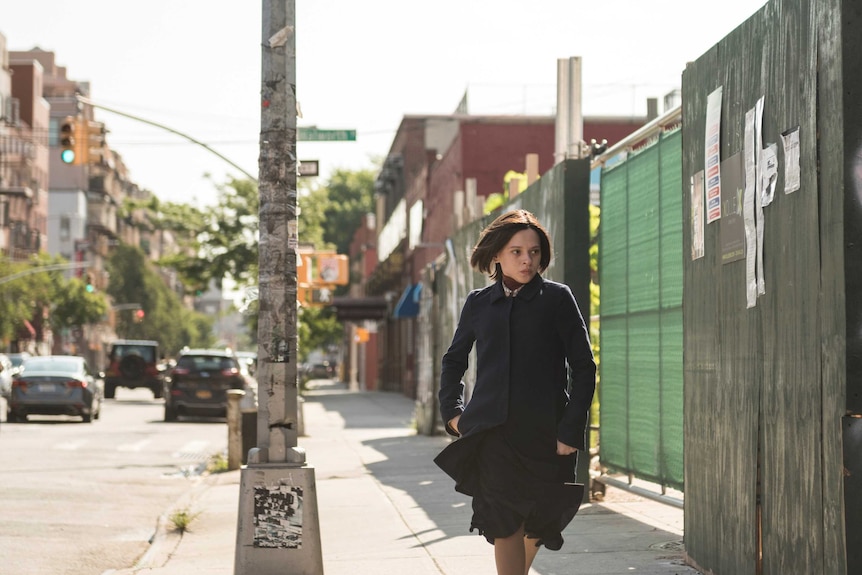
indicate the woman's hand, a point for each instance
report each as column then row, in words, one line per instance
column 563, row 449
column 453, row 423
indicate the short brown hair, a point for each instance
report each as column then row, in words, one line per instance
column 498, row 233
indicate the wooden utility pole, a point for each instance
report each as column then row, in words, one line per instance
column 278, row 527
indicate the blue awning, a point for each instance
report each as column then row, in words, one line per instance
column 408, row 304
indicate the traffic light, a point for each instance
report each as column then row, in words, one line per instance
column 139, row 315
column 96, row 147
column 88, row 283
column 68, row 140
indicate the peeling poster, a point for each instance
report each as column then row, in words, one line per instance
column 790, row 141
column 278, row 516
column 713, row 156
column 697, row 231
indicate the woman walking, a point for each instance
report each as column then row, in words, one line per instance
column 520, row 431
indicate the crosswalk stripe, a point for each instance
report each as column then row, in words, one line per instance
column 137, row 446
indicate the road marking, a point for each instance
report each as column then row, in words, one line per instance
column 192, row 450
column 70, row 445
column 137, row 446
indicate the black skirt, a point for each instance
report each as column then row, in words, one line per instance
column 510, row 488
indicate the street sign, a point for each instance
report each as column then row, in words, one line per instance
column 313, row 134
column 309, row 168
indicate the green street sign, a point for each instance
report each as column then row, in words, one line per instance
column 312, row 134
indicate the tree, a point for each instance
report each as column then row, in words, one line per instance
column 75, row 306
column 27, row 297
column 165, row 319
column 350, row 196
column 218, row 242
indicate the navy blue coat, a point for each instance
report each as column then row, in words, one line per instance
column 523, row 346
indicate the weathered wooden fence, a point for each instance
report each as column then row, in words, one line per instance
column 766, row 380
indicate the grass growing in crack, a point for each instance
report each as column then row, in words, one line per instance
column 217, row 463
column 181, row 519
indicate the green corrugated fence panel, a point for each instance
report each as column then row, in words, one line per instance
column 614, row 229
column 671, row 220
column 614, row 395
column 644, row 370
column 640, row 271
column 671, row 407
column 643, row 219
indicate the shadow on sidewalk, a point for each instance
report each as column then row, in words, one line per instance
column 601, row 539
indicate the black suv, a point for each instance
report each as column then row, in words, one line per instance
column 198, row 383
column 134, row 363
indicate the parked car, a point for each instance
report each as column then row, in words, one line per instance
column 324, row 370
column 134, row 363
column 198, row 383
column 7, row 370
column 55, row 385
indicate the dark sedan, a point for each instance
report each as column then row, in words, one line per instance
column 55, row 385
column 198, row 383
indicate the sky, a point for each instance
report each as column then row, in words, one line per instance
column 195, row 66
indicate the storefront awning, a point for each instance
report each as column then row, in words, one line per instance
column 408, row 305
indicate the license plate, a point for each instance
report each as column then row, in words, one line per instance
column 46, row 388
column 203, row 394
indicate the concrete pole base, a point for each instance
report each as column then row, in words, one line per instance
column 279, row 525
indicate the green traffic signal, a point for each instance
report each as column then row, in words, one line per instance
column 68, row 131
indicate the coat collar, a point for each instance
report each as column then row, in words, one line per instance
column 527, row 292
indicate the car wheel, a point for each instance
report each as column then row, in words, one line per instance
column 110, row 391
column 170, row 414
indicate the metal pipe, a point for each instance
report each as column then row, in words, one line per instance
column 646, row 131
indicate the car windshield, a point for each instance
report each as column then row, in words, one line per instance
column 205, row 362
column 43, row 364
column 17, row 359
column 148, row 353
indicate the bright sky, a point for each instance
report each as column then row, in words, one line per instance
column 194, row 65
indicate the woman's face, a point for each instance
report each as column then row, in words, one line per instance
column 520, row 258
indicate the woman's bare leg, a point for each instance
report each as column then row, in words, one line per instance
column 530, row 550
column 509, row 553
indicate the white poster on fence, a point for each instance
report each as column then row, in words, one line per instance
column 713, row 156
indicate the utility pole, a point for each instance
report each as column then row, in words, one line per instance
column 278, row 528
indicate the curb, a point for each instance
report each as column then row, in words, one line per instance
column 166, row 538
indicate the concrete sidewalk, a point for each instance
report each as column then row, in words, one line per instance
column 386, row 509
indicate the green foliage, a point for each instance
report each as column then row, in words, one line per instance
column 166, row 320
column 318, row 328
column 220, row 241
column 595, row 300
column 75, row 306
column 493, row 202
column 351, row 196
column 33, row 293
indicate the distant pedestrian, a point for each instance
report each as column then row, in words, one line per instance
column 520, row 431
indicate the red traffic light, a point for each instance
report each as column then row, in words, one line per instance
column 139, row 314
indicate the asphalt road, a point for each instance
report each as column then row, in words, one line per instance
column 83, row 498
